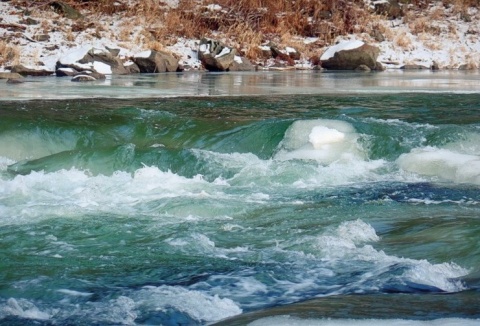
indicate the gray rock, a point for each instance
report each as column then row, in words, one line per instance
column 215, row 56
column 24, row 71
column 65, row 9
column 363, row 68
column 66, row 72
column 391, row 8
column 351, row 59
column 41, row 37
column 94, row 74
column 413, row 67
column 106, row 57
column 155, row 62
column 83, row 78
column 15, row 81
column 10, row 75
column 241, row 64
column 131, row 68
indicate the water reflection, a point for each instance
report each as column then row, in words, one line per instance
column 251, row 83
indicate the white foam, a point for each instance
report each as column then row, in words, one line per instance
column 444, row 164
column 199, row 306
column 61, row 191
column 285, row 320
column 23, row 309
column 347, row 242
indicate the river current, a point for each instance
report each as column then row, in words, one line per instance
column 268, row 203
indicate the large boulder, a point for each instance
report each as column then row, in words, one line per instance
column 65, row 9
column 155, row 61
column 241, row 64
column 102, row 61
column 390, row 8
column 349, row 55
column 27, row 71
column 105, row 57
column 10, row 75
column 215, row 56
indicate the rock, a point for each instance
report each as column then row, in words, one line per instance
column 377, row 35
column 390, row 8
column 114, row 52
column 131, row 67
column 435, row 66
column 29, row 21
column 215, row 56
column 41, row 37
column 413, row 67
column 349, row 55
column 66, row 10
column 363, row 68
column 241, row 64
column 25, row 71
column 293, row 53
column 94, row 74
column 15, row 81
column 10, row 75
column 92, row 59
column 379, row 67
column 155, row 61
column 266, row 51
column 97, row 57
column 66, row 72
column 83, row 78
column 468, row 66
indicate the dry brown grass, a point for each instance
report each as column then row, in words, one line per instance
column 249, row 23
column 9, row 54
column 403, row 40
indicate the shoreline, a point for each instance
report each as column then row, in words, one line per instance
column 454, row 44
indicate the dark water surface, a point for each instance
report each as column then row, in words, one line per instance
column 191, row 210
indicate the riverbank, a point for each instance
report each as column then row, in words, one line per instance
column 36, row 36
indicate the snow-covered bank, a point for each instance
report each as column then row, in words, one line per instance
column 437, row 35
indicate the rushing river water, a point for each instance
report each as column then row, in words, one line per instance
column 309, row 207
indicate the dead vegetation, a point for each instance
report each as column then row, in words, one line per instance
column 246, row 24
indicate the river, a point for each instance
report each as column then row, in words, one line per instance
column 275, row 198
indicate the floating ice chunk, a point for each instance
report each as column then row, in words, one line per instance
column 325, row 141
column 321, row 135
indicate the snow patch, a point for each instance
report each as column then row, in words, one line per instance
column 102, row 68
column 144, row 54
column 343, row 45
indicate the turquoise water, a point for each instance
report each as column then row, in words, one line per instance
column 190, row 210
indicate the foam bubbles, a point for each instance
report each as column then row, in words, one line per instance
column 199, row 306
column 443, row 164
column 349, row 242
column 24, row 309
